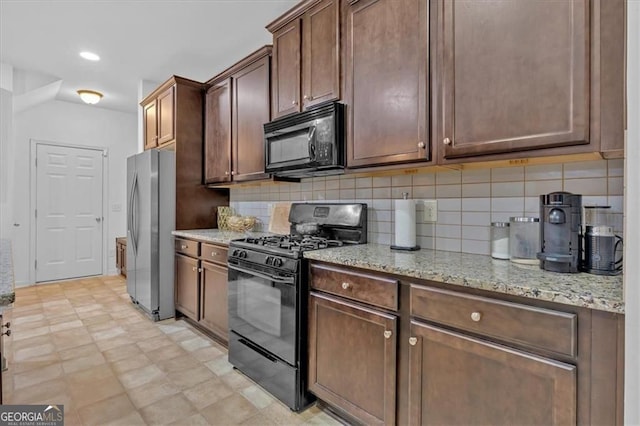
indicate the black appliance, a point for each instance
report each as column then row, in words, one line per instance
column 560, row 239
column 310, row 143
column 602, row 247
column 268, row 291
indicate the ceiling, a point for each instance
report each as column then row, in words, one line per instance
column 136, row 40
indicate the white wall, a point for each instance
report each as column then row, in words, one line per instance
column 69, row 123
column 632, row 227
column 6, row 150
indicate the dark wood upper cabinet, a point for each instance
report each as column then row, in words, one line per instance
column 514, row 75
column 237, row 105
column 456, row 379
column 306, row 56
column 150, row 123
column 387, row 55
column 166, row 116
column 217, row 133
column 250, row 110
column 286, row 69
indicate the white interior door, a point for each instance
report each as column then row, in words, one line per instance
column 68, row 212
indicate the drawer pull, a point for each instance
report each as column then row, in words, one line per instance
column 346, row 285
column 194, row 268
column 213, row 253
column 476, row 316
column 199, row 269
column 413, row 341
column 387, row 334
column 184, row 247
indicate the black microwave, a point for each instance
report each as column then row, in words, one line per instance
column 309, row 143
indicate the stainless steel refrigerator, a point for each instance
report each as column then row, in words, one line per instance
column 151, row 214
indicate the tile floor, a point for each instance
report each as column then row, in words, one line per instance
column 82, row 344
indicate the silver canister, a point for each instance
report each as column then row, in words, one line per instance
column 524, row 240
column 500, row 240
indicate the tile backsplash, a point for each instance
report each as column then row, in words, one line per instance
column 468, row 200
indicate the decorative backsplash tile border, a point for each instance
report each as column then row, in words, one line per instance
column 468, row 200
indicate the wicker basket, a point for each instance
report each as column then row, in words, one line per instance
column 224, row 212
column 241, row 223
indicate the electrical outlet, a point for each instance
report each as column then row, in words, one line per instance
column 116, row 207
column 430, row 213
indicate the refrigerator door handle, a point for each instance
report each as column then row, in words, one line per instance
column 134, row 200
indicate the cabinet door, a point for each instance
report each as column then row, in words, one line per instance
column 386, row 81
column 123, row 259
column 217, row 133
column 250, row 111
column 352, row 358
column 213, row 299
column 150, row 123
column 187, row 276
column 456, row 380
column 320, row 54
column 286, row 69
column 514, row 75
column 166, row 116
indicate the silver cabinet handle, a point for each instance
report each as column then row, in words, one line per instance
column 308, row 98
column 226, row 173
column 213, row 253
column 413, row 341
column 346, row 285
column 387, row 334
column 194, row 268
column 476, row 316
column 446, row 141
column 421, row 144
column 199, row 269
column 233, row 172
column 294, row 102
column 184, row 247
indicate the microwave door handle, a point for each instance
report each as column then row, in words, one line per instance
column 312, row 143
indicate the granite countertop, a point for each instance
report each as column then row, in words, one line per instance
column 483, row 272
column 7, row 287
column 215, row 235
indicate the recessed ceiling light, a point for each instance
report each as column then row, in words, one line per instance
column 90, row 56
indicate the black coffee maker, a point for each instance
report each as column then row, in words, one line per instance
column 560, row 240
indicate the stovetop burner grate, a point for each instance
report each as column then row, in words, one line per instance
column 294, row 242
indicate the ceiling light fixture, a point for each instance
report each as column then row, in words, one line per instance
column 90, row 56
column 90, row 96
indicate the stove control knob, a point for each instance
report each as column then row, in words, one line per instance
column 269, row 260
column 234, row 253
column 277, row 262
column 242, row 254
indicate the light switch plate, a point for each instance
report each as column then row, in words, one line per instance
column 430, row 213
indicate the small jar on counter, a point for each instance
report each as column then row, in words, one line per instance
column 500, row 240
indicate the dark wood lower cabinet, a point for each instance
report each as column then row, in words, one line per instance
column 187, row 286
column 352, row 358
column 213, row 299
column 459, row 380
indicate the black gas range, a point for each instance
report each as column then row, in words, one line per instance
column 268, row 290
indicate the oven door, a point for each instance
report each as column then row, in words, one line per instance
column 262, row 309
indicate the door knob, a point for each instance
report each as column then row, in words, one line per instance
column 98, row 219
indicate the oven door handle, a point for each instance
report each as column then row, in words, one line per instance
column 290, row 280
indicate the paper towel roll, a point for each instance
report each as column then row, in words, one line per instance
column 405, row 223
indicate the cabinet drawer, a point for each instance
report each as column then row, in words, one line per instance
column 213, row 253
column 511, row 322
column 369, row 289
column 188, row 247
